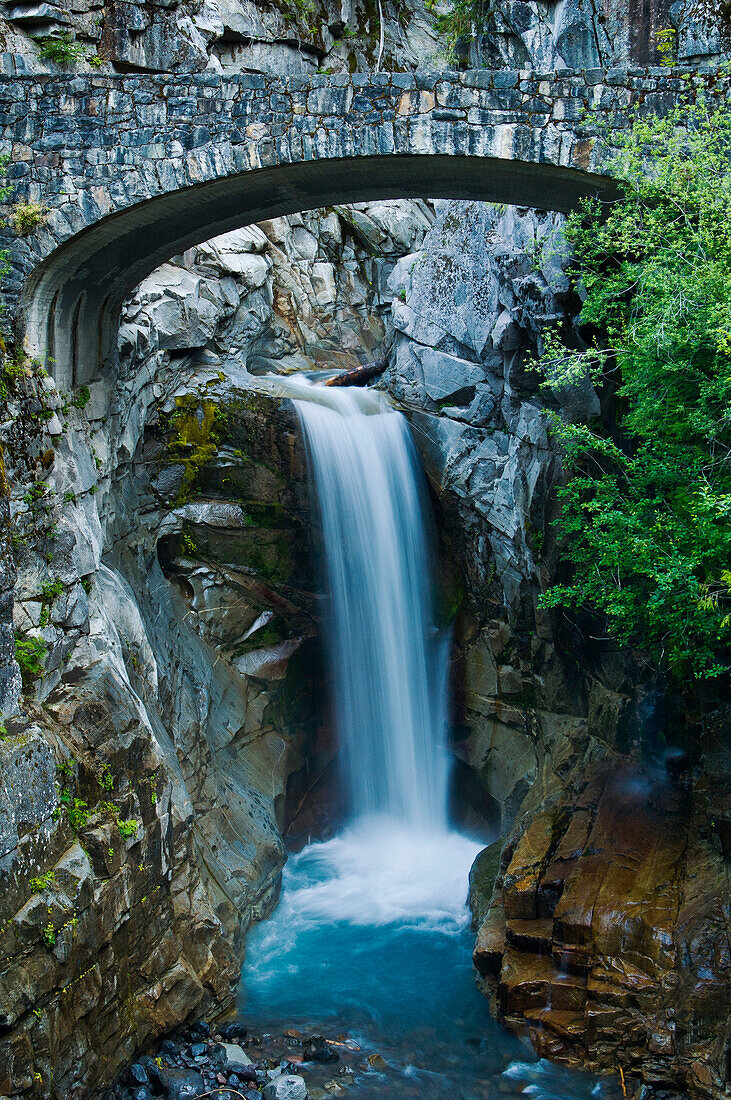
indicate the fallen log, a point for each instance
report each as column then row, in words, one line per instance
column 359, row 375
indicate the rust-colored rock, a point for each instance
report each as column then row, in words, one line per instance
column 490, row 945
column 615, row 947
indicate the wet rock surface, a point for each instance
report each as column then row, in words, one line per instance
column 604, row 936
column 227, row 1061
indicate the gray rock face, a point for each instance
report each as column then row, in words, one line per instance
column 290, row 294
column 221, row 36
column 234, row 36
column 472, row 307
column 555, row 34
column 163, row 564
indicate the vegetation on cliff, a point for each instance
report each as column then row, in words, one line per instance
column 646, row 511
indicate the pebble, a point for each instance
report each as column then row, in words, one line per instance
column 199, row 1060
column 184, row 1084
column 233, row 1031
column 319, row 1050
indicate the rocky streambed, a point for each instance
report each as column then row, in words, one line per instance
column 232, row 1063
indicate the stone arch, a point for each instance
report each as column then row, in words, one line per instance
column 134, row 169
column 70, row 304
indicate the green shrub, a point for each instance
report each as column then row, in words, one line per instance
column 106, row 779
column 27, row 217
column 30, row 653
column 49, row 592
column 81, row 398
column 36, row 492
column 645, row 520
column 51, row 589
column 465, row 21
column 62, row 49
column 127, row 828
column 77, row 811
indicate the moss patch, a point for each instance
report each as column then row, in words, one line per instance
column 197, row 425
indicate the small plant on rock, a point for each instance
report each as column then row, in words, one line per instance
column 42, row 882
column 27, row 217
column 30, row 653
column 464, row 23
column 36, row 492
column 81, row 398
column 49, row 935
column 127, row 829
column 49, row 592
column 106, row 779
column 77, row 811
column 62, row 49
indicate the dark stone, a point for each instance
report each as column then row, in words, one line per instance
column 155, row 1074
column 318, row 1050
column 244, row 1074
column 138, row 1075
column 198, row 1050
column 183, row 1084
column 233, row 1031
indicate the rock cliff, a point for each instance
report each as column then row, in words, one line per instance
column 305, row 36
column 166, row 611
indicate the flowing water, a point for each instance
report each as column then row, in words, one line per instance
column 371, row 937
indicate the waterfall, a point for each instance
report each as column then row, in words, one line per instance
column 387, row 662
column 372, row 928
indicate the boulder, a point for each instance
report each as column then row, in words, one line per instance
column 448, row 379
column 234, row 1056
column 286, row 1087
column 183, row 1084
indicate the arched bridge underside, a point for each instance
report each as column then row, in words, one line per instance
column 135, row 169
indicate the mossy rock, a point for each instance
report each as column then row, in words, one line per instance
column 197, row 425
column 483, row 875
column 264, row 552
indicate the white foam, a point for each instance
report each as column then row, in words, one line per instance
column 381, row 872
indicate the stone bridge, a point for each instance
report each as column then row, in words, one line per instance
column 134, row 169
